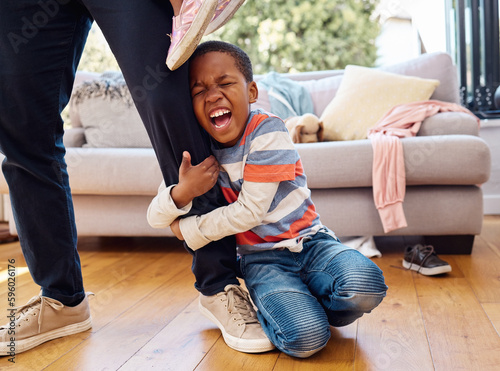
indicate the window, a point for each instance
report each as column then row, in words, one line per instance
column 473, row 37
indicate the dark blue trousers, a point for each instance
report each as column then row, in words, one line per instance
column 41, row 42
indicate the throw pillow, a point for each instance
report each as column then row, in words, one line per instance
column 365, row 95
column 322, row 91
column 108, row 114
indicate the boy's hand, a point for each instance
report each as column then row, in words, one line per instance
column 176, row 229
column 194, row 180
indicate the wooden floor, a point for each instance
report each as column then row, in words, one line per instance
column 145, row 315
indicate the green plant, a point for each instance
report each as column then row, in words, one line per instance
column 293, row 35
column 97, row 56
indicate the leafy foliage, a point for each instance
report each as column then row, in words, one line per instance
column 283, row 36
column 297, row 36
column 97, row 56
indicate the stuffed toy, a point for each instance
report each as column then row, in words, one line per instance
column 305, row 129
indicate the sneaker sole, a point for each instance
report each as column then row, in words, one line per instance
column 241, row 345
column 192, row 37
column 427, row 271
column 224, row 17
column 33, row 341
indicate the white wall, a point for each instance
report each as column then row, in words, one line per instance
column 490, row 132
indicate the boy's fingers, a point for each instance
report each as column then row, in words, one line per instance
column 209, row 162
column 186, row 160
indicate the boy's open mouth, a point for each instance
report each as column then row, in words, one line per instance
column 220, row 118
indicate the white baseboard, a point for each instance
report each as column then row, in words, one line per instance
column 491, row 204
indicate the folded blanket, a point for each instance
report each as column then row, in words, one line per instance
column 287, row 97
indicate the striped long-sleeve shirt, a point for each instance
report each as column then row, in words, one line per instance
column 263, row 180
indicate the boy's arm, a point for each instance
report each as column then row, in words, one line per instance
column 246, row 212
column 174, row 201
column 162, row 210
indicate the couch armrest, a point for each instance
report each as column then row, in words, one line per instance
column 74, row 137
column 445, row 123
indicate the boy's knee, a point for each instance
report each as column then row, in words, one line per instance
column 307, row 340
column 360, row 276
column 299, row 324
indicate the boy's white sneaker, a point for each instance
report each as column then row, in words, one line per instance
column 232, row 311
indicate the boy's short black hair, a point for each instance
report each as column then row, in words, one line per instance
column 241, row 58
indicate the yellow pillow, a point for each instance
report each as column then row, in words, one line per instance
column 365, row 95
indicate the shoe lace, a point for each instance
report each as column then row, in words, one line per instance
column 428, row 250
column 35, row 307
column 238, row 301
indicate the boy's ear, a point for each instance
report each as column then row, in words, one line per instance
column 253, row 92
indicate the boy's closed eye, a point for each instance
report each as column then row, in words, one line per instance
column 196, row 91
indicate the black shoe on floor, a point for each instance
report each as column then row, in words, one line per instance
column 423, row 259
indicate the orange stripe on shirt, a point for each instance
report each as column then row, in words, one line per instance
column 229, row 194
column 256, row 120
column 269, row 173
column 298, row 225
column 299, row 169
column 248, row 238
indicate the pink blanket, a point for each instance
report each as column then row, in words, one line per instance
column 389, row 180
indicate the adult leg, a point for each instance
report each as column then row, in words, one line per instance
column 136, row 31
column 40, row 46
column 346, row 283
column 290, row 315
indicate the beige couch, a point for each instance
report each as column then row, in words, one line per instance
column 113, row 183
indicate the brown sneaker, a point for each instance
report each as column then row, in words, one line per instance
column 424, row 260
column 232, row 311
column 40, row 320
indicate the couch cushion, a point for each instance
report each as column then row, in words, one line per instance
column 449, row 123
column 365, row 95
column 113, row 171
column 429, row 210
column 443, row 159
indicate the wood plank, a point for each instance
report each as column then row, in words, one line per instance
column 461, row 336
column 159, row 295
column 145, row 315
column 493, row 312
column 482, row 271
column 393, row 336
column 114, row 295
column 221, row 357
column 180, row 345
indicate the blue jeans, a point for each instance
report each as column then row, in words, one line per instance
column 299, row 295
column 41, row 42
